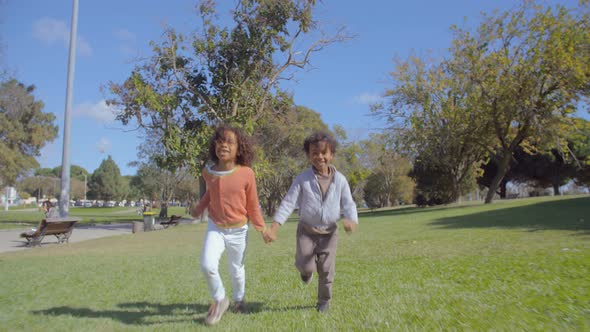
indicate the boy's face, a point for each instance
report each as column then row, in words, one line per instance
column 320, row 156
column 226, row 148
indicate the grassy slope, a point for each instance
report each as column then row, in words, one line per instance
column 514, row 265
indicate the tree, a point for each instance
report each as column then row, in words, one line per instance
column 24, row 130
column 430, row 110
column 350, row 160
column 280, row 156
column 230, row 76
column 578, row 149
column 106, row 182
column 488, row 172
column 529, row 68
column 389, row 183
column 514, row 81
column 155, row 183
column 39, row 186
column 76, row 172
column 45, row 182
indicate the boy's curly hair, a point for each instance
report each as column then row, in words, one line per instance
column 245, row 154
column 320, row 136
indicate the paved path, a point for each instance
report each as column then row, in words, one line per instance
column 10, row 239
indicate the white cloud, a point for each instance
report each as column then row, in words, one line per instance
column 124, row 34
column 128, row 41
column 103, row 145
column 51, row 31
column 99, row 111
column 367, row 98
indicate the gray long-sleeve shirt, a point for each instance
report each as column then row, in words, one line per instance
column 305, row 194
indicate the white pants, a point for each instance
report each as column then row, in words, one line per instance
column 216, row 241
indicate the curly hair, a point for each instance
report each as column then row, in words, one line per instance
column 245, row 154
column 320, row 136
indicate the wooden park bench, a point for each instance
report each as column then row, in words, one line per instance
column 174, row 219
column 60, row 227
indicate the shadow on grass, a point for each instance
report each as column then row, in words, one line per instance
column 146, row 313
column 137, row 313
column 408, row 210
column 570, row 214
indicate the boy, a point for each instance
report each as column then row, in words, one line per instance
column 322, row 195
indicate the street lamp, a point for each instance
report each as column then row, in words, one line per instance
column 64, row 198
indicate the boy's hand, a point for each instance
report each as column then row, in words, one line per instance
column 349, row 226
column 270, row 234
column 267, row 237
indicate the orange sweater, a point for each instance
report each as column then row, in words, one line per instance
column 232, row 199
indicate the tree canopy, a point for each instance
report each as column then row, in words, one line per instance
column 106, row 182
column 223, row 73
column 515, row 81
column 24, row 130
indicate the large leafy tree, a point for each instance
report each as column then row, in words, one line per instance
column 106, row 182
column 45, row 182
column 430, row 110
column 76, row 172
column 529, row 68
column 579, row 145
column 156, row 183
column 222, row 73
column 280, row 137
column 351, row 159
column 39, row 186
column 24, row 130
column 388, row 183
column 513, row 81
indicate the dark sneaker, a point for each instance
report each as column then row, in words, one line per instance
column 216, row 311
column 306, row 278
column 240, row 307
column 323, row 307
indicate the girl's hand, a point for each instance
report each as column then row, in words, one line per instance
column 270, row 234
column 268, row 238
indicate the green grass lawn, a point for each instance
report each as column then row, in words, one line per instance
column 519, row 265
column 31, row 216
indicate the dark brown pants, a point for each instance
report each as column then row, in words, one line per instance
column 317, row 253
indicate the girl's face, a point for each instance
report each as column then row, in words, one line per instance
column 226, row 148
column 320, row 156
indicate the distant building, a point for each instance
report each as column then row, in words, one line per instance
column 13, row 197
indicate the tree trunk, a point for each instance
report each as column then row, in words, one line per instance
column 503, row 165
column 6, row 198
column 163, row 210
column 202, row 190
column 556, row 191
column 503, row 188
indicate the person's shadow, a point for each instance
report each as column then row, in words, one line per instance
column 138, row 313
column 146, row 313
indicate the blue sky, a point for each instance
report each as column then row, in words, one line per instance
column 344, row 80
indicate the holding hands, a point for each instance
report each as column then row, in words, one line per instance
column 270, row 234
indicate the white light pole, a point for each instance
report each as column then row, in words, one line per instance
column 64, row 198
column 85, row 188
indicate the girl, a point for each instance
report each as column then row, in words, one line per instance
column 232, row 200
